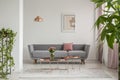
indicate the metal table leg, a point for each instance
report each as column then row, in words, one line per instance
column 72, row 63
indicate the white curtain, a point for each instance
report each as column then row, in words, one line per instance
column 113, row 57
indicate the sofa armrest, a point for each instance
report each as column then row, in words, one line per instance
column 86, row 49
column 31, row 50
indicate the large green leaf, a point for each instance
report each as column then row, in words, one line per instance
column 118, row 2
column 100, row 21
column 110, row 40
column 103, row 34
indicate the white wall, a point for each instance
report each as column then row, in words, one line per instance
column 49, row 31
column 9, row 18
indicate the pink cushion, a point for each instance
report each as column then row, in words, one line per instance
column 68, row 46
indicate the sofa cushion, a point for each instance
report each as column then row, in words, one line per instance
column 68, row 46
column 41, row 53
column 77, row 53
column 60, row 53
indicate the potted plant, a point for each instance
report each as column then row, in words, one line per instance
column 109, row 22
column 7, row 38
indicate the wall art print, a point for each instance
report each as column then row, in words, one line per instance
column 68, row 23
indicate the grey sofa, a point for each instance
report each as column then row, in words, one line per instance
column 38, row 51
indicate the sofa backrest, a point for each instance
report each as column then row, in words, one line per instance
column 57, row 46
column 47, row 46
column 78, row 47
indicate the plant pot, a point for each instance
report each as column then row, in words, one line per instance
column 52, row 56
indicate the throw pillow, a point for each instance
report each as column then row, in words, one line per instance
column 68, row 46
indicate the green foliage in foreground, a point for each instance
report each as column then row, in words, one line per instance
column 109, row 22
column 7, row 37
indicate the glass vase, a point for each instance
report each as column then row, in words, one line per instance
column 52, row 56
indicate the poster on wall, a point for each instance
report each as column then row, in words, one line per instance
column 68, row 23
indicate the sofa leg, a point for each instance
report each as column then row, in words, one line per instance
column 35, row 60
column 82, row 61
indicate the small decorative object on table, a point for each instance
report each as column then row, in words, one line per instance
column 52, row 50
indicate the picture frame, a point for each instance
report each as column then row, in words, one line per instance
column 68, row 23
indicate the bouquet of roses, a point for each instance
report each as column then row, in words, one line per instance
column 52, row 49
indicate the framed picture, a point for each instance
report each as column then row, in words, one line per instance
column 68, row 23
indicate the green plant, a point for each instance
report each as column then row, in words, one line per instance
column 7, row 38
column 52, row 50
column 109, row 22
